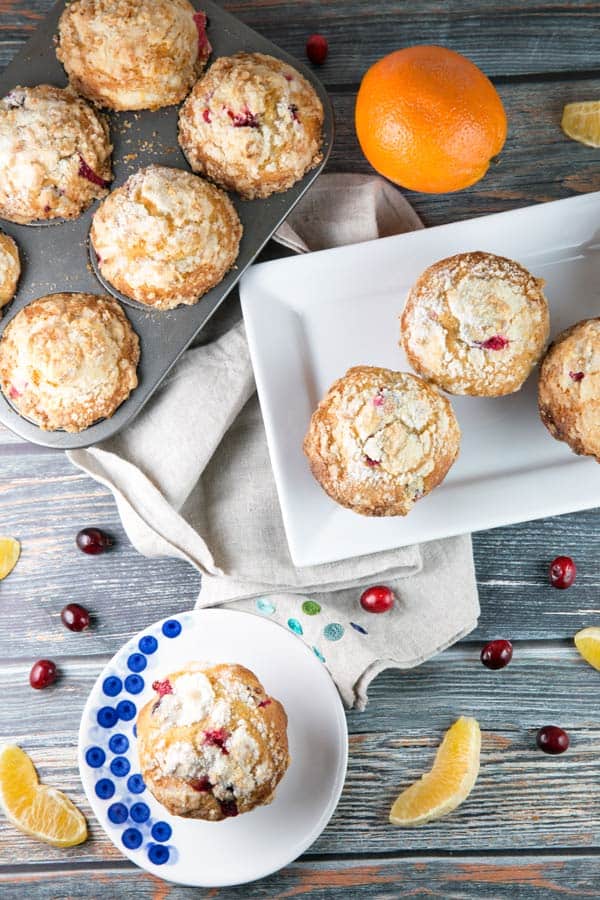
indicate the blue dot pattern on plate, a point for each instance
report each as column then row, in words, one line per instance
column 134, row 684
column 118, row 744
column 359, row 628
column 132, row 838
column 148, row 644
column 126, row 710
column 112, row 686
column 158, row 854
column 107, row 717
column 117, row 813
column 171, row 628
column 120, row 766
column 161, row 831
column 95, row 757
column 295, row 626
column 140, row 812
column 265, row 607
column 137, row 662
column 318, row 654
column 135, row 730
column 332, row 632
column 136, row 785
column 105, row 788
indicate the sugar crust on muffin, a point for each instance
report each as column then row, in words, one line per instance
column 55, row 154
column 475, row 323
column 569, row 388
column 212, row 743
column 252, row 124
column 380, row 440
column 67, row 360
column 133, row 54
column 165, row 237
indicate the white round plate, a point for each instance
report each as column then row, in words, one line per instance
column 255, row 844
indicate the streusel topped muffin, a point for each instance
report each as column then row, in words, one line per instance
column 252, row 124
column 380, row 440
column 132, row 54
column 55, row 154
column 475, row 323
column 10, row 268
column 67, row 360
column 165, row 237
column 211, row 742
column 569, row 388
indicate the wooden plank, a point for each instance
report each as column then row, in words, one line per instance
column 483, row 878
column 543, row 37
column 523, row 798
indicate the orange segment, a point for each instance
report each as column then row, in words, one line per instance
column 10, row 550
column 449, row 782
column 40, row 811
column 581, row 121
column 587, row 642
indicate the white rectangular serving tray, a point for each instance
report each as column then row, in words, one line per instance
column 311, row 317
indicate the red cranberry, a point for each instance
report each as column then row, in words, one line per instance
column 377, row 599
column 317, row 49
column 75, row 617
column 93, row 541
column 562, row 572
column 371, row 462
column 552, row 739
column 43, row 673
column 264, row 703
column 217, row 738
column 202, row 785
column 497, row 654
column 245, row 119
column 229, row 808
column 577, row 376
column 86, row 171
column 162, row 687
column 497, row 342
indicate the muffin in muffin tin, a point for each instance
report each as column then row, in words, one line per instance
column 67, row 360
column 569, row 388
column 132, row 54
column 252, row 124
column 475, row 324
column 55, row 154
column 165, row 237
column 10, row 268
column 380, row 440
column 212, row 744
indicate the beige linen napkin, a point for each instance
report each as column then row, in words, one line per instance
column 192, row 478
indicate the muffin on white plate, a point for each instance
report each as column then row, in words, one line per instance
column 132, row 54
column 569, row 388
column 252, row 124
column 381, row 440
column 475, row 323
column 55, row 154
column 211, row 742
column 165, row 237
column 10, row 268
column 67, row 360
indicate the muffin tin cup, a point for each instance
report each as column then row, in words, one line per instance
column 56, row 256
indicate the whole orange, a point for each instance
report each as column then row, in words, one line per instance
column 429, row 119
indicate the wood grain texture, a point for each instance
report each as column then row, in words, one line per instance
column 522, row 799
column 502, row 877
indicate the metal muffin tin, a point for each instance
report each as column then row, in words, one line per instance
column 55, row 256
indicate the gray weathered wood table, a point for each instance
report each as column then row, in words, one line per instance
column 532, row 825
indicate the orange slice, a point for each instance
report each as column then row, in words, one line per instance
column 449, row 782
column 40, row 811
column 9, row 554
column 581, row 121
column 587, row 642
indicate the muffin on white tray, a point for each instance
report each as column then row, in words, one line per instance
column 252, row 124
column 380, row 440
column 212, row 744
column 475, row 323
column 132, row 54
column 67, row 360
column 165, row 237
column 55, row 154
